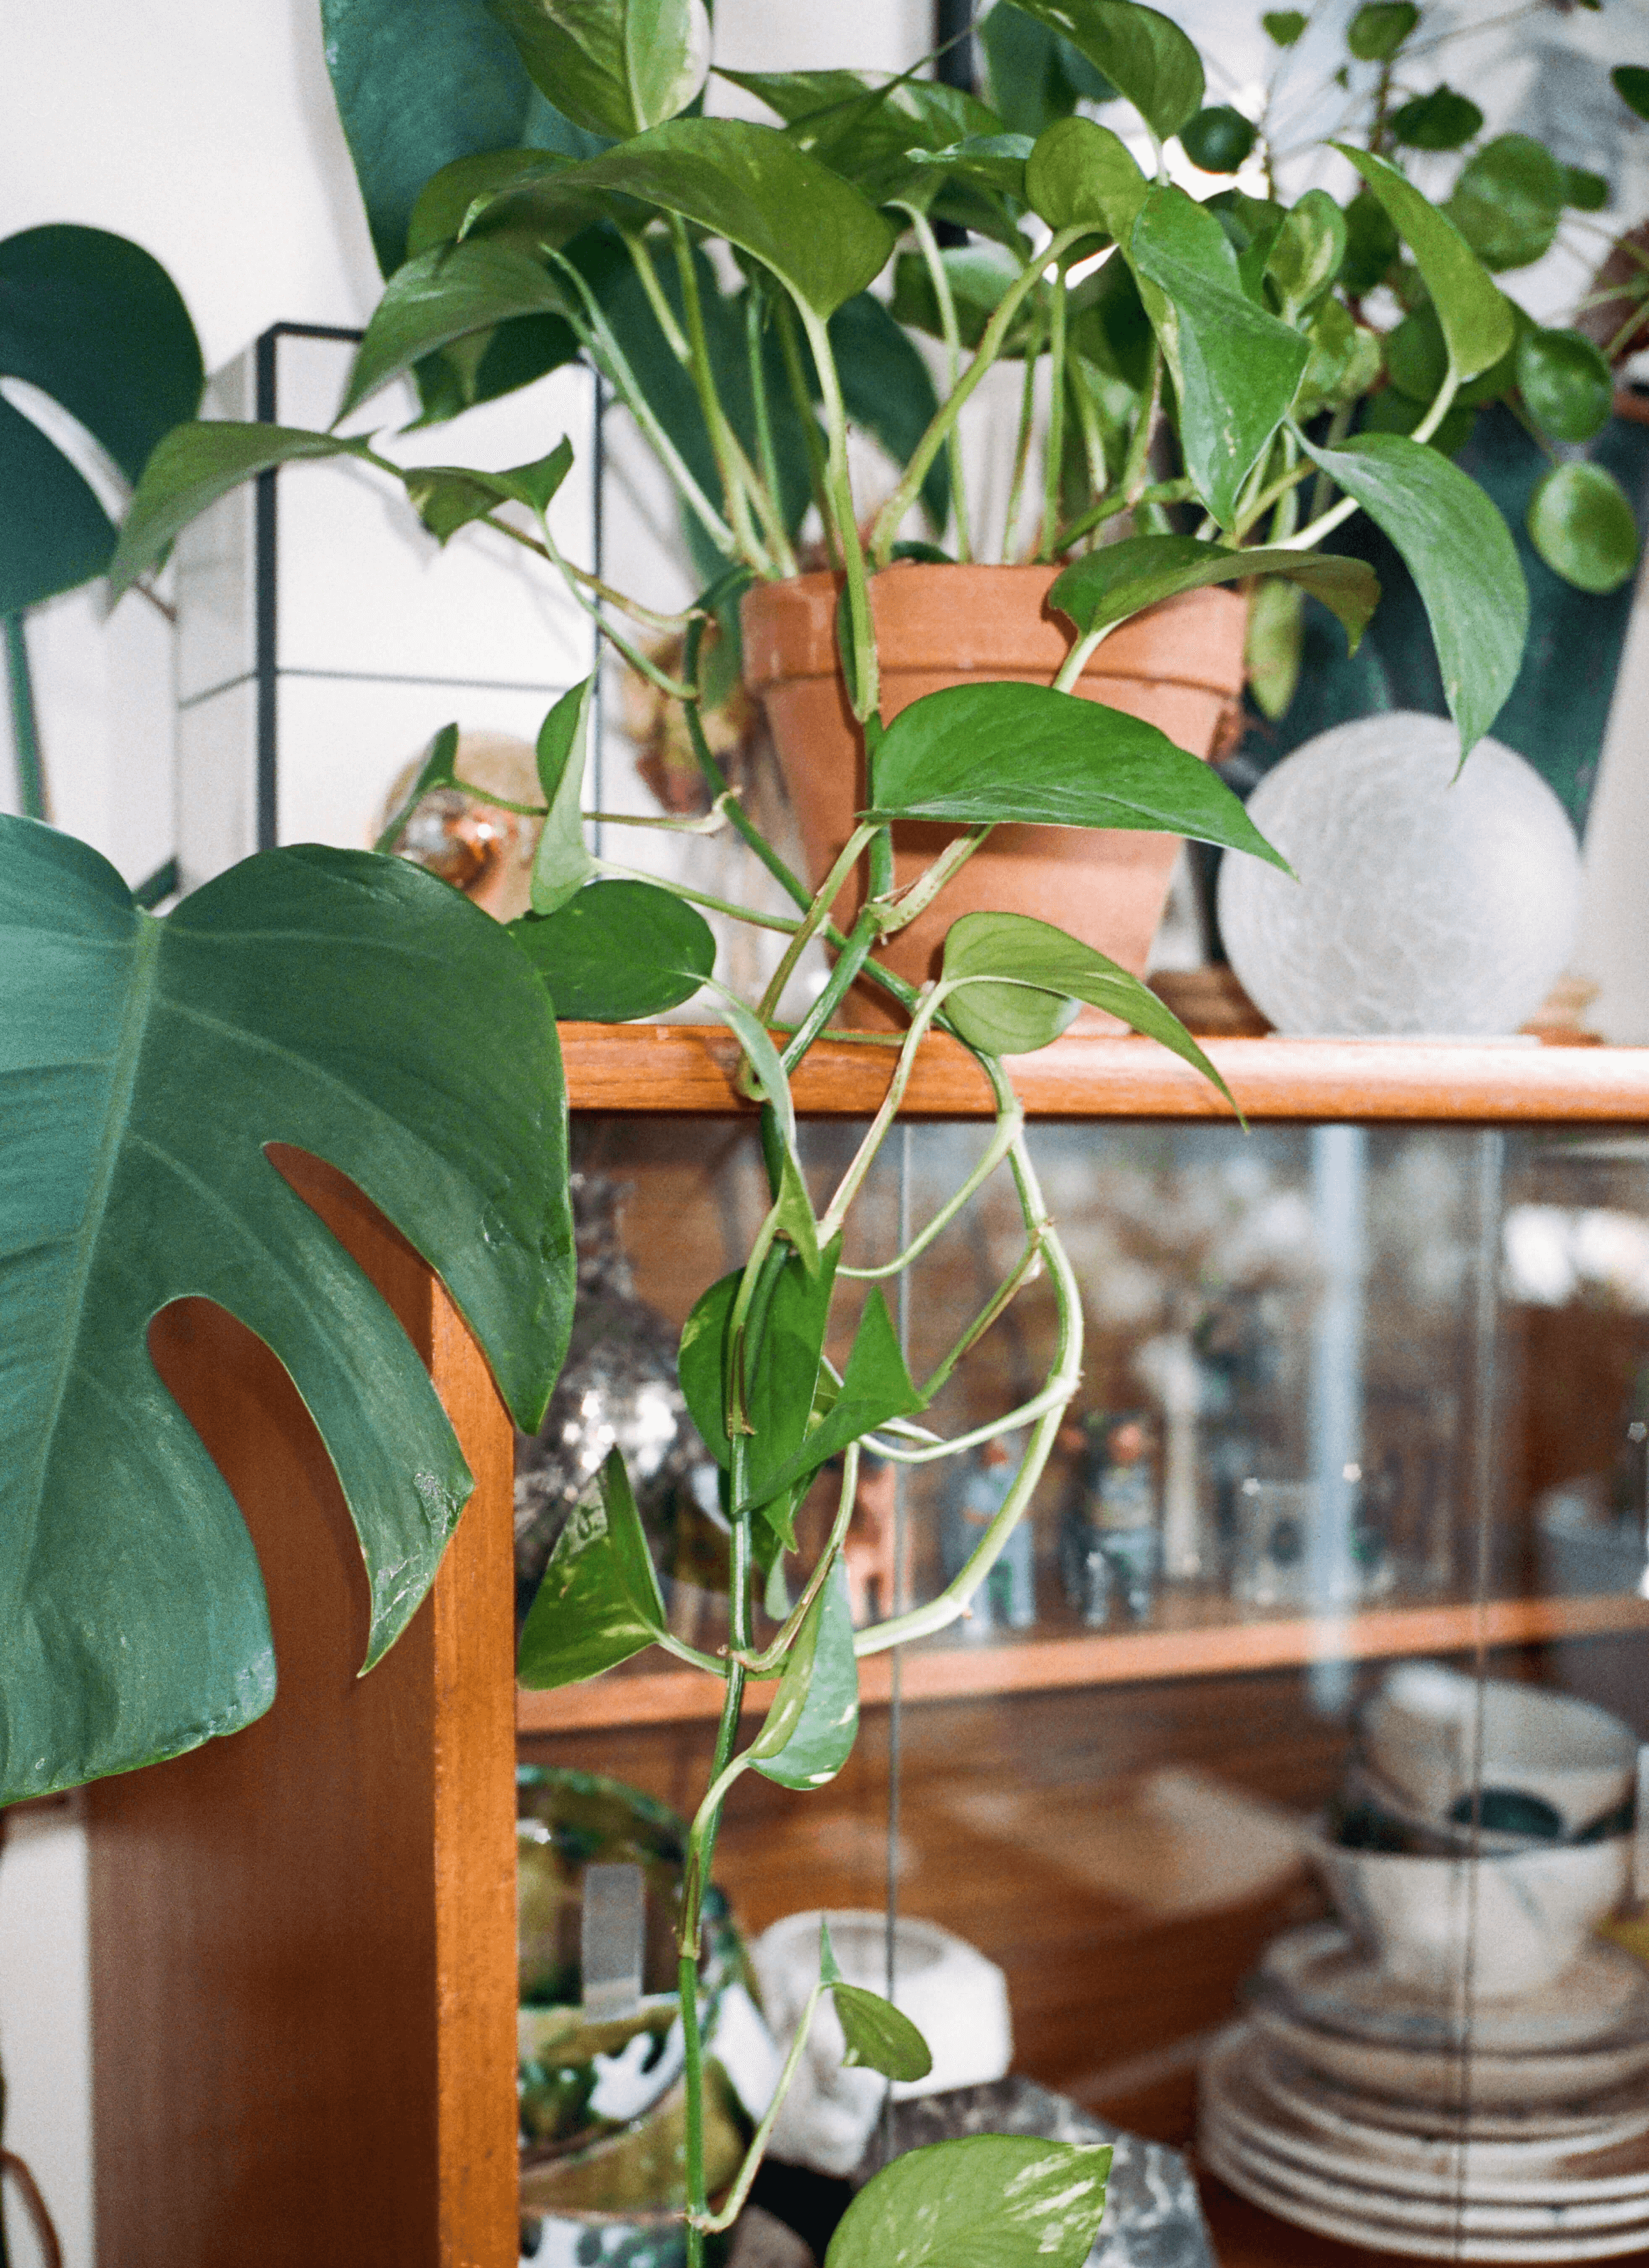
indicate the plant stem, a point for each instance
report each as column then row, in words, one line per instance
column 864, row 688
column 929, row 1002
column 31, row 774
column 755, row 309
column 1077, row 660
column 898, row 913
column 763, row 1664
column 1022, row 444
column 721, row 439
column 1054, row 463
column 796, row 377
column 852, row 957
column 934, row 263
column 1120, row 501
column 884, row 533
column 780, row 922
column 824, row 898
column 1133, row 482
column 632, row 653
column 1314, row 532
column 1001, row 1142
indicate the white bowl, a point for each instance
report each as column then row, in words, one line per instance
column 1420, row 1733
column 1519, row 1919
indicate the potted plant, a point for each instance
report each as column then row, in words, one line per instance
column 295, row 998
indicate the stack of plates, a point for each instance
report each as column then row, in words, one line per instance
column 1349, row 2107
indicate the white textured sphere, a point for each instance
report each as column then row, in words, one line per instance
column 1425, row 903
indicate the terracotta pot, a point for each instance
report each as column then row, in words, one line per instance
column 1179, row 666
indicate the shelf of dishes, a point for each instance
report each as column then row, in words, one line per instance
column 692, row 1068
column 1186, row 1636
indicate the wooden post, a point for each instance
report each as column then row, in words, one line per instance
column 303, row 1975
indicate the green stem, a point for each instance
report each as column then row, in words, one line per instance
column 796, row 379
column 649, row 618
column 928, row 1005
column 1077, row 660
column 25, row 742
column 734, row 491
column 763, row 1664
column 1001, row 1142
column 632, row 653
column 818, row 913
column 863, row 689
column 1053, row 464
column 1029, row 1261
column 1133, row 482
column 944, row 298
column 1022, row 445
column 748, row 2170
column 1119, row 501
column 780, row 922
column 1283, row 486
column 884, row 533
column 853, row 956
column 898, row 913
column 755, row 304
column 1337, row 514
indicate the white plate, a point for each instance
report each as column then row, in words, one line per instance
column 1547, row 2132
column 1322, row 1976
column 1435, row 2079
column 1607, row 2185
column 1383, row 2237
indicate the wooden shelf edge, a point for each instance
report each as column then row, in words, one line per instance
column 691, row 1068
column 961, row 1673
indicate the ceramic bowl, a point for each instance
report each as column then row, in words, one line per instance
column 1419, row 1732
column 1521, row 1919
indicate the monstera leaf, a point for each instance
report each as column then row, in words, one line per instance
column 321, row 998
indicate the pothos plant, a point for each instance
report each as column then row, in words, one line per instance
column 326, row 999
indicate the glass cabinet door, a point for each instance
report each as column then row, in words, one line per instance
column 1289, row 1756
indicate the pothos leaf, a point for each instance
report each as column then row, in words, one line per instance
column 190, row 469
column 435, row 772
column 880, row 2036
column 598, row 1602
column 561, row 864
column 1120, row 579
column 811, row 1727
column 618, row 950
column 875, row 1387
column 1145, row 56
column 986, row 2201
column 1479, row 326
column 613, row 66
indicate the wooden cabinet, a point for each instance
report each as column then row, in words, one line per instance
column 304, row 2033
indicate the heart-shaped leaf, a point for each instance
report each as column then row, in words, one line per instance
column 598, row 1602
column 325, row 999
column 1236, row 369
column 561, row 864
column 1441, row 119
column 1080, row 172
column 1477, row 322
column 190, row 469
column 97, row 325
column 447, row 497
column 1305, row 253
column 1219, row 140
column 1567, row 387
column 810, row 1729
column 879, row 2036
column 1021, row 974
column 800, row 94
column 613, row 66
column 618, row 950
column 1371, row 244
column 1143, row 55
column 420, row 84
column 1034, row 74
column 986, row 2201
column 875, row 1387
column 975, row 754
column 1460, row 554
column 448, row 294
column 751, row 184
column 1509, row 200
column 1119, row 579
column 1581, row 522
column 1283, row 25
column 1380, row 28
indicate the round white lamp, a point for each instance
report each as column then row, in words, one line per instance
column 1426, row 902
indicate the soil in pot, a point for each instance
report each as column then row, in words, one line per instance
column 1179, row 666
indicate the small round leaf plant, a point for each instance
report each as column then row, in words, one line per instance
column 1204, row 364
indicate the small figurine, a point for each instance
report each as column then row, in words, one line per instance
column 978, row 1489
column 1108, row 1538
column 869, row 1554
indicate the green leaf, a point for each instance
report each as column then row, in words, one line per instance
column 1392, row 412
column 447, row 198
column 1036, row 76
column 1477, row 322
column 1461, row 557
column 613, row 66
column 1283, row 25
column 420, row 84
column 1219, row 140
column 191, row 469
column 1566, row 386
column 1146, row 57
column 1586, row 191
column 750, row 184
column 618, row 950
column 1346, row 360
column 447, row 497
column 1631, row 82
column 1378, row 30
column 806, row 1746
column 800, row 94
column 561, row 864
column 986, row 2201
column 323, row 998
column 1305, row 253
column 887, row 390
column 1110, row 584
column 1582, row 524
column 435, row 772
column 700, row 1363
column 995, row 162
column 1235, row 368
column 442, row 295
column 1508, row 201
column 875, row 1387
column 1371, row 244
column 975, row 754
column 598, row 1602
column 98, row 324
column 878, row 139
column 1441, row 119
column 764, row 1062
column 56, row 534
column 879, row 2036
column 1274, row 646
column 1078, row 170
column 1417, row 356
column 1035, row 969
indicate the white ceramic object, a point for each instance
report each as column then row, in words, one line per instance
column 957, row 1998
column 1433, row 2078
column 1591, row 2124
column 1500, row 1927
column 1421, row 1734
column 1425, row 903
